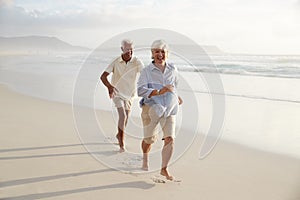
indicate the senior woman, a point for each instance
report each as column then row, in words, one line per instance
column 157, row 85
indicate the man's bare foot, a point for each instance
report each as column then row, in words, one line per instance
column 121, row 143
column 121, row 150
column 166, row 174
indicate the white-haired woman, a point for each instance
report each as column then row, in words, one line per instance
column 157, row 85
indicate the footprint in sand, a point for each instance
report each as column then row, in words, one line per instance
column 161, row 179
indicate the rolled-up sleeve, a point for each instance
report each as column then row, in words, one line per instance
column 142, row 85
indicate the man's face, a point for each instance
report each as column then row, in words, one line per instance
column 127, row 51
column 159, row 55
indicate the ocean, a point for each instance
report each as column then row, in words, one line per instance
column 255, row 65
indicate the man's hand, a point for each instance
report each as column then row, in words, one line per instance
column 112, row 91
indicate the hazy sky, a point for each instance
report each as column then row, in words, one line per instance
column 240, row 26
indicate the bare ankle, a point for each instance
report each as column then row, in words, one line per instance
column 120, row 141
column 164, row 172
column 145, row 165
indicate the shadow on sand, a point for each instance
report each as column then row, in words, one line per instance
column 135, row 184
column 106, row 153
column 47, row 178
column 54, row 147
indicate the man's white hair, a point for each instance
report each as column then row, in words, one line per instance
column 126, row 41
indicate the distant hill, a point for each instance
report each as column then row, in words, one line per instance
column 36, row 45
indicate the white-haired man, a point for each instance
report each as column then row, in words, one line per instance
column 122, row 87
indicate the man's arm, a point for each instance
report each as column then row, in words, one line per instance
column 111, row 89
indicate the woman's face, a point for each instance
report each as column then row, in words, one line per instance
column 159, row 56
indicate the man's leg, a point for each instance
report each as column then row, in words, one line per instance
column 127, row 112
column 121, row 127
column 167, row 153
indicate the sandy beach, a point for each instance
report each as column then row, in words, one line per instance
column 42, row 157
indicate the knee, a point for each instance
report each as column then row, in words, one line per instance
column 169, row 140
column 150, row 140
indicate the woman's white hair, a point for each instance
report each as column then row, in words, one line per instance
column 160, row 44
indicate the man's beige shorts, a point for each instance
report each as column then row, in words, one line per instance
column 121, row 103
column 150, row 123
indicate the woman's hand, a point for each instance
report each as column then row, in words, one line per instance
column 166, row 88
column 180, row 101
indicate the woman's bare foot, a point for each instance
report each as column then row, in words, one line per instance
column 145, row 166
column 166, row 174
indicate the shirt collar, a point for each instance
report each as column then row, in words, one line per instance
column 121, row 59
column 153, row 67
